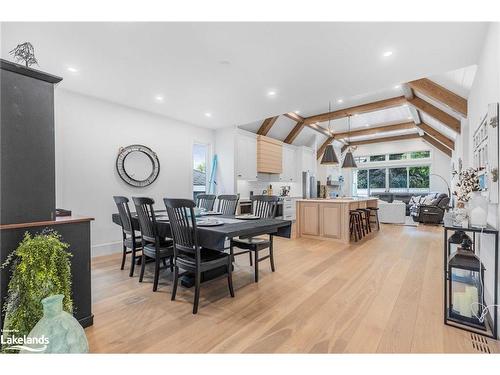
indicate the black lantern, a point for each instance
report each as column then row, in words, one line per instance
column 455, row 240
column 465, row 283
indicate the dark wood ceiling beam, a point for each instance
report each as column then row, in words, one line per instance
column 443, row 95
column 437, row 135
column 267, row 125
column 436, row 144
column 322, row 149
column 375, row 130
column 385, row 139
column 436, row 113
column 295, row 132
column 363, row 108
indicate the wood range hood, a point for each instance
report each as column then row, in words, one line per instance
column 269, row 155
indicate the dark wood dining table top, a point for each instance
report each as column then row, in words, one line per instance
column 214, row 237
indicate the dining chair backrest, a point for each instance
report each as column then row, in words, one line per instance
column 124, row 212
column 146, row 217
column 227, row 204
column 264, row 206
column 183, row 226
column 205, row 201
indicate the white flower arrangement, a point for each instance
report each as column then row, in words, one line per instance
column 468, row 182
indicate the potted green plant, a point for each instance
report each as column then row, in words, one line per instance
column 40, row 268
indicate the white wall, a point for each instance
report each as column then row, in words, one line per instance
column 440, row 163
column 485, row 90
column 89, row 133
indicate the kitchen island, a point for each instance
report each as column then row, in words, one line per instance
column 328, row 218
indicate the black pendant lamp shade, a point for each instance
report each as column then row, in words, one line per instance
column 349, row 161
column 348, row 158
column 329, row 156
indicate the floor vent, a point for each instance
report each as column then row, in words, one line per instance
column 480, row 343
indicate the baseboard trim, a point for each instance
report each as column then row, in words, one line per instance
column 107, row 249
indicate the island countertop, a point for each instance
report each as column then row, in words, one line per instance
column 329, row 219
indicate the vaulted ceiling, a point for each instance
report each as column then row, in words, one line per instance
column 417, row 109
column 222, row 74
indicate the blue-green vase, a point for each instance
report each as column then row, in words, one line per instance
column 60, row 331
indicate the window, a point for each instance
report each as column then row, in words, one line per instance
column 393, row 179
column 361, row 159
column 376, row 180
column 398, row 179
column 200, row 158
column 420, row 154
column 412, row 155
column 377, row 158
column 397, row 156
column 419, row 177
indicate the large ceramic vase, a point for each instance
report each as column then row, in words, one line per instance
column 62, row 331
column 478, row 210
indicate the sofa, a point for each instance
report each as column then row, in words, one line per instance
column 430, row 212
column 404, row 197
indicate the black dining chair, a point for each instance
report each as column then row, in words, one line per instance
column 132, row 242
column 205, row 201
column 153, row 246
column 188, row 255
column 263, row 206
column 227, row 204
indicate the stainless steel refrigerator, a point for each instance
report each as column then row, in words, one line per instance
column 309, row 189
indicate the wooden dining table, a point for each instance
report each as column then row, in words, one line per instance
column 214, row 237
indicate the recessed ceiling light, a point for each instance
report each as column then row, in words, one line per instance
column 387, row 53
column 340, row 100
column 159, row 98
column 271, row 93
column 397, row 87
column 367, row 124
column 208, row 114
column 296, row 112
column 72, row 69
column 410, row 118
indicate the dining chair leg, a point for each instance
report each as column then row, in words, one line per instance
column 176, row 277
column 171, row 264
column 250, row 256
column 271, row 253
column 196, row 293
column 230, row 279
column 164, row 261
column 157, row 275
column 143, row 266
column 124, row 256
column 132, row 263
column 256, row 261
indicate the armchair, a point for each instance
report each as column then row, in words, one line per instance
column 431, row 213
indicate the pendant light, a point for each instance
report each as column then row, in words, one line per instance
column 348, row 158
column 329, row 156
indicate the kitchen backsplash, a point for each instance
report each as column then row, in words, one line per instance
column 244, row 187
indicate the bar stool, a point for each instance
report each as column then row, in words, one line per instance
column 355, row 227
column 374, row 214
column 365, row 219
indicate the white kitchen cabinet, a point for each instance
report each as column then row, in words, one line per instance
column 306, row 161
column 289, row 173
column 246, row 156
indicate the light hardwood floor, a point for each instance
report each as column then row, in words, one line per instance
column 383, row 294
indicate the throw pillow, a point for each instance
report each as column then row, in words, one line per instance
column 415, row 200
column 428, row 199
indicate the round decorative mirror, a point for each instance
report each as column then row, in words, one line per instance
column 137, row 165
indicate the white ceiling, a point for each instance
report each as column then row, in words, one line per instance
column 227, row 69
